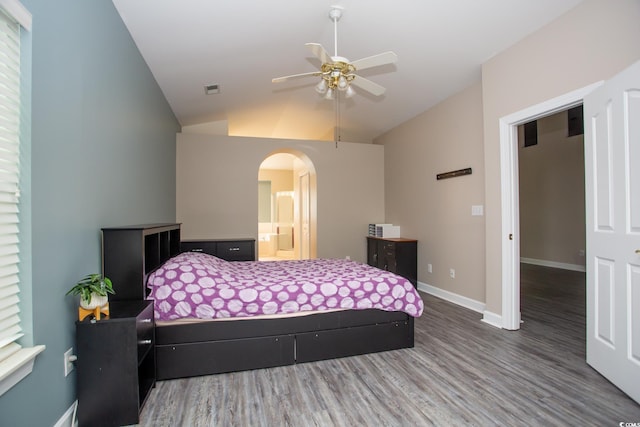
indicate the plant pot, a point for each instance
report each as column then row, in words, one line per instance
column 96, row 301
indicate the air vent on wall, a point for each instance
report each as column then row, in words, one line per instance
column 212, row 89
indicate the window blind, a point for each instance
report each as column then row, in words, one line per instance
column 9, row 179
column 15, row 362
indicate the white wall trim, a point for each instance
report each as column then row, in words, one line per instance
column 68, row 418
column 492, row 319
column 554, row 264
column 18, row 12
column 509, row 195
column 17, row 366
column 460, row 300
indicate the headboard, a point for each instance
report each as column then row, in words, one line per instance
column 131, row 253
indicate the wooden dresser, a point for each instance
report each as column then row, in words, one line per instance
column 397, row 255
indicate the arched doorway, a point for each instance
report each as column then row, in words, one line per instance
column 286, row 207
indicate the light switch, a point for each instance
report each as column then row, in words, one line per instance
column 477, row 210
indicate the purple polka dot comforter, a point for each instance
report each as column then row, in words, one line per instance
column 197, row 285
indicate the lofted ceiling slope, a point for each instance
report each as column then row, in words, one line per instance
column 241, row 45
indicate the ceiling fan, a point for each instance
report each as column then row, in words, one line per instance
column 337, row 73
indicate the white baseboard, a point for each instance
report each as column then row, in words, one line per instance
column 554, row 264
column 452, row 297
column 492, row 319
column 68, row 418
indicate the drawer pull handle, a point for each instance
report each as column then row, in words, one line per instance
column 197, row 250
column 234, row 249
column 146, row 321
column 144, row 342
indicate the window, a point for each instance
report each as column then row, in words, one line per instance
column 575, row 121
column 531, row 133
column 15, row 361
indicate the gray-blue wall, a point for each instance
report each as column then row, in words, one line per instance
column 102, row 153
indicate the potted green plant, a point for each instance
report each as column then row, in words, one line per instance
column 93, row 290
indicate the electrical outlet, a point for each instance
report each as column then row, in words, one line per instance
column 429, row 268
column 452, row 273
column 69, row 357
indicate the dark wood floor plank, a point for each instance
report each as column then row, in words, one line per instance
column 461, row 372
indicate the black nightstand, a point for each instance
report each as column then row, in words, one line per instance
column 116, row 364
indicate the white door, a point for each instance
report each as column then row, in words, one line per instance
column 612, row 161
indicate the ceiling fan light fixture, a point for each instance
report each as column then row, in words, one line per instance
column 343, row 84
column 321, row 87
column 329, row 94
column 349, row 92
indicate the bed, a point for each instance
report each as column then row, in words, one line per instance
column 231, row 340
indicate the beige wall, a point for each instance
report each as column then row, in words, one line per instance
column 217, row 192
column 590, row 43
column 438, row 213
column 281, row 180
column 552, row 212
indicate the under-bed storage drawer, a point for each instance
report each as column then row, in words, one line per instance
column 313, row 346
column 205, row 358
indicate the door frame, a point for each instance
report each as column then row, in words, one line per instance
column 510, row 204
column 304, row 204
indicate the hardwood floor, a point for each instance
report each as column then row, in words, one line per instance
column 461, row 372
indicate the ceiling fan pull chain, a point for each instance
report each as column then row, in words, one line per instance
column 337, row 111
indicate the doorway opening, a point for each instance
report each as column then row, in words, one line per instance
column 510, row 207
column 551, row 172
column 286, row 207
column 552, row 191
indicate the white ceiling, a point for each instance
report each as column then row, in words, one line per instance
column 242, row 44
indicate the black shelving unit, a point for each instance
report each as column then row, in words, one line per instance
column 134, row 247
column 116, row 364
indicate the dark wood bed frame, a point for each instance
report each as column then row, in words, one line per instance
column 131, row 253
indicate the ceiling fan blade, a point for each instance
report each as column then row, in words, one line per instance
column 375, row 60
column 368, row 85
column 294, row 76
column 319, row 52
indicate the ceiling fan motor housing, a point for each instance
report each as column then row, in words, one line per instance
column 337, row 74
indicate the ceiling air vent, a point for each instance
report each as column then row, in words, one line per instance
column 211, row 89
